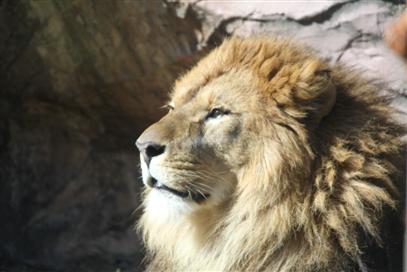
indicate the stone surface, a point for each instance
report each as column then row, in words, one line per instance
column 81, row 79
column 263, row 9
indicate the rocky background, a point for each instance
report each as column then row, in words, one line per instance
column 79, row 80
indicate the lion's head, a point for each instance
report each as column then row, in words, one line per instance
column 268, row 158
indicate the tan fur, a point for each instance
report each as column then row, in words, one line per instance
column 309, row 155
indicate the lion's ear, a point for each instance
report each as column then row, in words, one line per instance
column 315, row 91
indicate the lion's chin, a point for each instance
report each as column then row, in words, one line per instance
column 163, row 205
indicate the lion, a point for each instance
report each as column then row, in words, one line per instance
column 271, row 159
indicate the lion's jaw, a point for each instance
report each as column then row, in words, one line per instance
column 164, row 206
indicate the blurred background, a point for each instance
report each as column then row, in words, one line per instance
column 81, row 79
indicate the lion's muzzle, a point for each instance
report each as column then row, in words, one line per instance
column 149, row 148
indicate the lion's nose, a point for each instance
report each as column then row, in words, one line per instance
column 150, row 150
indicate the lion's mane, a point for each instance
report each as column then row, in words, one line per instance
column 313, row 213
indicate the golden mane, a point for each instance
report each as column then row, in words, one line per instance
column 338, row 170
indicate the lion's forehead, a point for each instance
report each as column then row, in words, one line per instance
column 235, row 88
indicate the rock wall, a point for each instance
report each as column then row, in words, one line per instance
column 81, row 79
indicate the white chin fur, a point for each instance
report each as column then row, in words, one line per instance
column 163, row 206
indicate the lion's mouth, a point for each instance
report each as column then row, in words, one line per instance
column 197, row 197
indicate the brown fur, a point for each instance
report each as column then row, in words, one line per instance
column 313, row 163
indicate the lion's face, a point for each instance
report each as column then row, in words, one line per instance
column 191, row 158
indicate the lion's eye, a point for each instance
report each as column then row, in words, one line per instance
column 215, row 113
